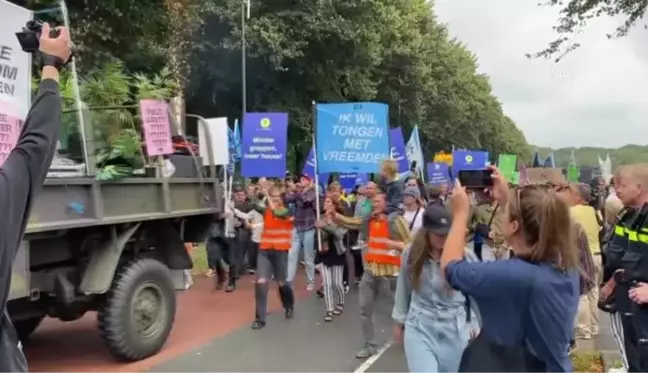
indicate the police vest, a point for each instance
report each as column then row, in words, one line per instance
column 277, row 232
column 377, row 250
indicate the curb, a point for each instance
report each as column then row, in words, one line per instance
column 610, row 359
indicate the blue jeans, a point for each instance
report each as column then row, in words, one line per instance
column 435, row 345
column 302, row 240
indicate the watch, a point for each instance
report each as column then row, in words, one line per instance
column 51, row 60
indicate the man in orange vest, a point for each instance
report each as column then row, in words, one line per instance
column 386, row 240
column 276, row 240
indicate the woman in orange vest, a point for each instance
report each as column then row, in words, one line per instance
column 272, row 260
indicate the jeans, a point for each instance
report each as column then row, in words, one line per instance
column 369, row 289
column 432, row 344
column 302, row 240
column 271, row 263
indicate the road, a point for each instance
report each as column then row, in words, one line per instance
column 212, row 333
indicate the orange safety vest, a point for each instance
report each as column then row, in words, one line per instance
column 277, row 233
column 377, row 250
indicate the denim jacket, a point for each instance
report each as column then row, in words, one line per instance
column 435, row 298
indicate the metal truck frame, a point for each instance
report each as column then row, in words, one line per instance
column 111, row 247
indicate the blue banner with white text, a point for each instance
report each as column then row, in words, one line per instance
column 352, row 137
column 438, row 173
column 263, row 146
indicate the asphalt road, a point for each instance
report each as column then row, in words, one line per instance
column 304, row 344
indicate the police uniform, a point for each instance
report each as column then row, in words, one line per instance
column 628, row 250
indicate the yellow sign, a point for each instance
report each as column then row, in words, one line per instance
column 265, row 123
column 442, row 157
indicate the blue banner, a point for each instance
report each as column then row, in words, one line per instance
column 348, row 181
column 263, row 147
column 397, row 149
column 468, row 160
column 352, row 137
column 438, row 173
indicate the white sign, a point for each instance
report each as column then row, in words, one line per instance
column 217, row 138
column 15, row 65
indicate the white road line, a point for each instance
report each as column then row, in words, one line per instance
column 370, row 361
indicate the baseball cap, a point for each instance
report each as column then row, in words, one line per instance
column 437, row 219
column 413, row 192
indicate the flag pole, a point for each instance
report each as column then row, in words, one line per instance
column 317, row 195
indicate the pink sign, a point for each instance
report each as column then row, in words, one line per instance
column 9, row 131
column 156, row 127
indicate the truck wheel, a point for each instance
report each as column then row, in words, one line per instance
column 138, row 313
column 26, row 327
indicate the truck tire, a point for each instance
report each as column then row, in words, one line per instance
column 25, row 327
column 137, row 314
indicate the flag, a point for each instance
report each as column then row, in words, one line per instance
column 572, row 159
column 522, row 177
column 550, row 162
column 507, row 165
column 414, row 151
column 537, row 162
column 234, row 145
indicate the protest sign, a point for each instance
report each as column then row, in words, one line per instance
column 573, row 173
column 156, row 127
column 9, row 131
column 541, row 175
column 349, row 181
column 438, row 173
column 263, row 146
column 507, row 163
column 352, row 137
column 217, row 130
column 15, row 65
column 398, row 152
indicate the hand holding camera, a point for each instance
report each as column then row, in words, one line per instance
column 53, row 44
column 56, row 43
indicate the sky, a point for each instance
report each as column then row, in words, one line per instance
column 595, row 96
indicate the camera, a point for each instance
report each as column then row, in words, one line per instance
column 30, row 35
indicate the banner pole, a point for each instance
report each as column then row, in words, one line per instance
column 317, row 195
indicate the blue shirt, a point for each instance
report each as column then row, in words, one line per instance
column 517, row 300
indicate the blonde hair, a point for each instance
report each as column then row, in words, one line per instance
column 390, row 167
column 543, row 219
column 636, row 172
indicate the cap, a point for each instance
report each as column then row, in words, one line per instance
column 437, row 219
column 413, row 192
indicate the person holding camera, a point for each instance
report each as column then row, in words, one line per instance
column 23, row 174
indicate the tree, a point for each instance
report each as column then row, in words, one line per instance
column 300, row 51
column 574, row 15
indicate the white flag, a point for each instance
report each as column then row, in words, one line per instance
column 414, row 151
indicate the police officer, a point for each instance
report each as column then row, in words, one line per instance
column 627, row 258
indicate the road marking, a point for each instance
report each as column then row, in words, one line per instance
column 370, row 361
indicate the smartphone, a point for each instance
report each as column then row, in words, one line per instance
column 476, row 178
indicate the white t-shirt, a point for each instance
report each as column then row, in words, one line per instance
column 409, row 216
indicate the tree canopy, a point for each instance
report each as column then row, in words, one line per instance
column 300, row 51
column 575, row 14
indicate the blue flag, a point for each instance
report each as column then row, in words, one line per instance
column 550, row 162
column 234, row 145
column 398, row 152
column 537, row 161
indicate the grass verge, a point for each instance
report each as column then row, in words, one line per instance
column 588, row 361
column 199, row 258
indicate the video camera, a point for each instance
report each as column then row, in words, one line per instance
column 29, row 37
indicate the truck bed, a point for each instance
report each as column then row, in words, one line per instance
column 81, row 202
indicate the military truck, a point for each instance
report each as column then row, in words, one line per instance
column 112, row 247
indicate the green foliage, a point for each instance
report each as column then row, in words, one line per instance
column 300, row 51
column 587, row 156
column 574, row 15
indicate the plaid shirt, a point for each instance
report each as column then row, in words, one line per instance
column 304, row 209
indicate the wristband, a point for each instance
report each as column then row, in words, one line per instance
column 51, row 60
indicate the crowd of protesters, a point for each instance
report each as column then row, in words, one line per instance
column 513, row 269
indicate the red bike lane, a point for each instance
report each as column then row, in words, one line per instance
column 202, row 315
